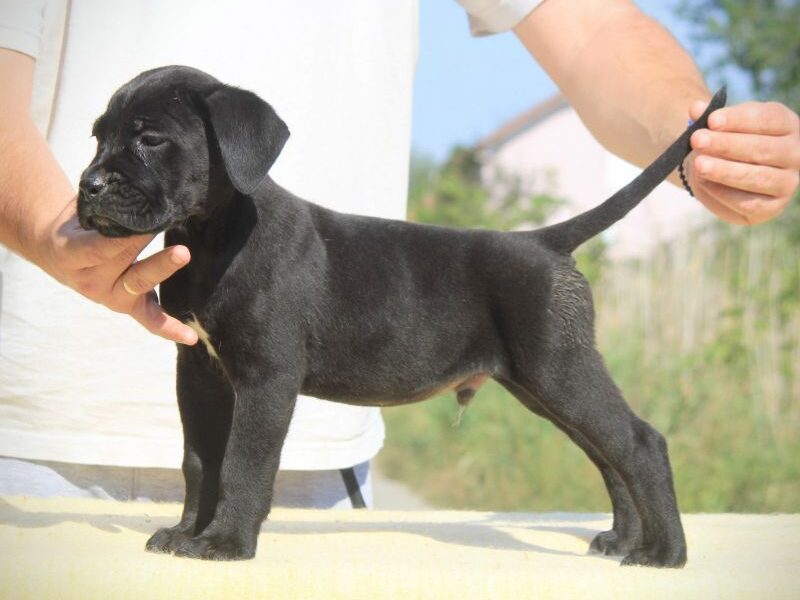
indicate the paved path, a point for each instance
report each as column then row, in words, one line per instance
column 388, row 494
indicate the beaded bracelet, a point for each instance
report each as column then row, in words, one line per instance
column 685, row 181
column 682, row 173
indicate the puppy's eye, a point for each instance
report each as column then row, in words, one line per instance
column 151, row 140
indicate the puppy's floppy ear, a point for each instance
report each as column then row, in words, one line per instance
column 249, row 133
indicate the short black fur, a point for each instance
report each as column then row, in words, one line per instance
column 297, row 298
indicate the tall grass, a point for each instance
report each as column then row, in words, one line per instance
column 703, row 338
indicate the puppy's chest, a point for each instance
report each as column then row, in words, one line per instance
column 217, row 331
column 200, row 302
column 192, row 313
column 203, row 336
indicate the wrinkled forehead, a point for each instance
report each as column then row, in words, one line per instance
column 161, row 100
column 165, row 111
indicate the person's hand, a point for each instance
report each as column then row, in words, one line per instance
column 745, row 167
column 104, row 270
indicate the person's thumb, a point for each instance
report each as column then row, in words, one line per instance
column 696, row 109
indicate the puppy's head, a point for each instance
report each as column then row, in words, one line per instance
column 171, row 141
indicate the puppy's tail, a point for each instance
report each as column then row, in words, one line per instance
column 568, row 235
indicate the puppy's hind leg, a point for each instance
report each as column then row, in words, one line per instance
column 205, row 400
column 573, row 386
column 626, row 532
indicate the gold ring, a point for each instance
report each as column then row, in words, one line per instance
column 127, row 289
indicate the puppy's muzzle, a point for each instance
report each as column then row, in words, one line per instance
column 111, row 206
column 90, row 189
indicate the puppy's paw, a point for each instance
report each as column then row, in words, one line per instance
column 216, row 547
column 611, row 543
column 167, row 539
column 657, row 556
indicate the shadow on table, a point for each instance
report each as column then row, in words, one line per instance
column 490, row 530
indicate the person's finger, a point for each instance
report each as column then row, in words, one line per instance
column 153, row 318
column 89, row 248
column 697, row 108
column 713, row 203
column 757, row 179
column 143, row 276
column 774, row 151
column 738, row 207
column 765, row 118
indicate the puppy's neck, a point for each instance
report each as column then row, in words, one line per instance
column 231, row 216
column 271, row 213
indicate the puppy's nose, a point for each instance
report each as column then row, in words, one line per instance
column 93, row 183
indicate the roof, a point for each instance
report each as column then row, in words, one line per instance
column 523, row 122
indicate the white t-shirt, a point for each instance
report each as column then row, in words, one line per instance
column 79, row 383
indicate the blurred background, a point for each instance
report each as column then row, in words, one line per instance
column 699, row 322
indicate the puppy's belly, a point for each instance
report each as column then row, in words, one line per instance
column 364, row 397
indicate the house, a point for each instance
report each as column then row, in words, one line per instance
column 551, row 151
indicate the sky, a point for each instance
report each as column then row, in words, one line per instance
column 466, row 87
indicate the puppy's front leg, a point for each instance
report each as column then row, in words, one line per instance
column 205, row 400
column 261, row 416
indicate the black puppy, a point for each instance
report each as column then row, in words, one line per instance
column 289, row 297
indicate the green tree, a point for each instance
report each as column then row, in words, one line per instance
column 758, row 37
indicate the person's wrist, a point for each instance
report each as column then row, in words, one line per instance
column 43, row 233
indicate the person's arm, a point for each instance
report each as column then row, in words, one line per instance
column 634, row 87
column 38, row 219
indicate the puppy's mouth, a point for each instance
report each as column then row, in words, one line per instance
column 135, row 220
column 106, row 226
